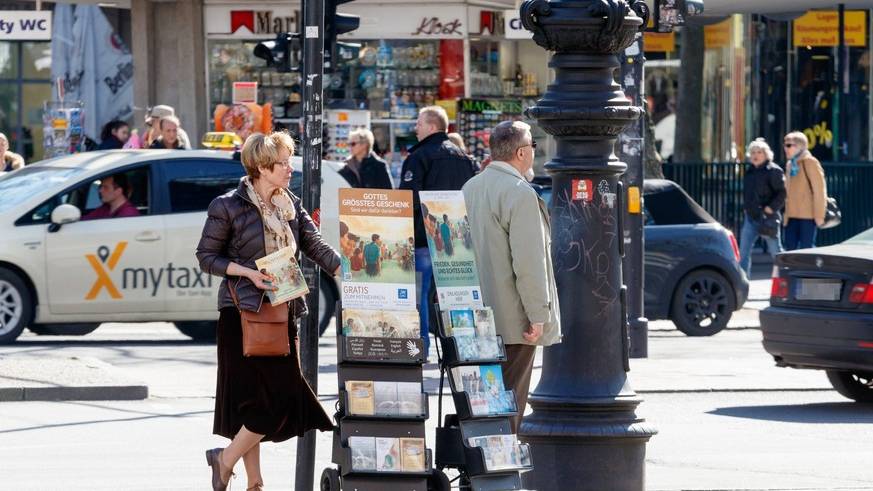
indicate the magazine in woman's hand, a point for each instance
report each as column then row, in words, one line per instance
column 286, row 273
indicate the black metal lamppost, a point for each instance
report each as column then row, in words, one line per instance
column 584, row 431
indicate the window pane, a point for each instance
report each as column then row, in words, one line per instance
column 8, row 60
column 193, row 184
column 9, row 113
column 87, row 196
column 34, row 97
column 37, row 60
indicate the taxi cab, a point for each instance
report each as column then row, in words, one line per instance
column 61, row 273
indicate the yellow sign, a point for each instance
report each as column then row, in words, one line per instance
column 659, row 42
column 718, row 35
column 103, row 280
column 451, row 107
column 221, row 140
column 821, row 28
column 633, row 200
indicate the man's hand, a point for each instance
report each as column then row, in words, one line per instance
column 768, row 210
column 533, row 332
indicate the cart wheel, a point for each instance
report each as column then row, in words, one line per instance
column 330, row 480
column 438, row 481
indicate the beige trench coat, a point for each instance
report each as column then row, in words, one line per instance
column 511, row 233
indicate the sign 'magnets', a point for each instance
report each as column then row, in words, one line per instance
column 27, row 25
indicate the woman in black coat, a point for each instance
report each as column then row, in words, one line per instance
column 258, row 398
column 114, row 135
column 364, row 169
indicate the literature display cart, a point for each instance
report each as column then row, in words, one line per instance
column 379, row 443
column 478, row 440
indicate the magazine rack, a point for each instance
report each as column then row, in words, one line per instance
column 378, row 360
column 452, row 449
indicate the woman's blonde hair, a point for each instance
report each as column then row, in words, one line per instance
column 760, row 144
column 262, row 150
column 799, row 138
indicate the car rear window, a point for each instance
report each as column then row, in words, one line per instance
column 19, row 186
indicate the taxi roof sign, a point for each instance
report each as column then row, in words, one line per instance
column 221, row 140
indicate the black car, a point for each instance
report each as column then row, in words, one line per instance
column 821, row 313
column 692, row 271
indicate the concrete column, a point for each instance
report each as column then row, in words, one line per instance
column 170, row 60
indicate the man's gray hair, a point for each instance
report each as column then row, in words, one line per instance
column 505, row 139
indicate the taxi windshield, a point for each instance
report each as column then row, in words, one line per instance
column 19, row 186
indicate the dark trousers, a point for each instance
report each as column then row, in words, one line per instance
column 800, row 234
column 516, row 376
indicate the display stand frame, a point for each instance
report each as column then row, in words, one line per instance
column 344, row 476
column 451, row 447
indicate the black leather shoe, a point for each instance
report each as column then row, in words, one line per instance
column 213, row 459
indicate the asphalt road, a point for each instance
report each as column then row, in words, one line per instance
column 759, row 438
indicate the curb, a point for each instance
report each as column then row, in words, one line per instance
column 91, row 393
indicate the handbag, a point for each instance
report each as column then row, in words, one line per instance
column 769, row 225
column 265, row 332
column 833, row 215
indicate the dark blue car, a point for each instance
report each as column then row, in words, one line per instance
column 692, row 271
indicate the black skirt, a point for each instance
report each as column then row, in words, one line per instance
column 266, row 394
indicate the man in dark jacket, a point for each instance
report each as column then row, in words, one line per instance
column 434, row 164
column 763, row 198
column 364, row 169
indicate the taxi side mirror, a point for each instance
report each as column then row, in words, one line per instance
column 63, row 215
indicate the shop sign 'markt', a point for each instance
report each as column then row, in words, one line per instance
column 262, row 22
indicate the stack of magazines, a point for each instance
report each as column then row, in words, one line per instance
column 502, row 452
column 369, row 398
column 388, row 454
column 484, row 387
column 474, row 333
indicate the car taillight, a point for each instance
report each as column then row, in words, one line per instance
column 779, row 286
column 862, row 293
column 735, row 246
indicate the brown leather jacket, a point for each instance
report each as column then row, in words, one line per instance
column 234, row 232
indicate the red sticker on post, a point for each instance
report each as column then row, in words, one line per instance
column 582, row 190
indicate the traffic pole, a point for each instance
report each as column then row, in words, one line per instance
column 633, row 153
column 313, row 72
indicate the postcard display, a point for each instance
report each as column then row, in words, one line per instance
column 380, row 443
column 478, row 440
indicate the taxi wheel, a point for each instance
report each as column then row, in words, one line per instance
column 77, row 329
column 16, row 306
column 857, row 386
column 197, row 330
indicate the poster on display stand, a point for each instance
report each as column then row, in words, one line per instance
column 451, row 249
column 340, row 124
column 63, row 128
column 476, row 118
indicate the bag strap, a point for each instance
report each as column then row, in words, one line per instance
column 232, row 289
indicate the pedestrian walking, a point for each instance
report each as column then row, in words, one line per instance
column 806, row 201
column 511, row 225
column 364, row 169
column 9, row 161
column 115, row 135
column 153, row 128
column 373, row 256
column 258, row 398
column 169, row 139
column 763, row 198
column 433, row 164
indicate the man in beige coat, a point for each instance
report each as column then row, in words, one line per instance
column 511, row 235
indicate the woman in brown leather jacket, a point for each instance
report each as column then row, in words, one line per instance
column 258, row 398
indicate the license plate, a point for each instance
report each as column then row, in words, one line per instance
column 819, row 289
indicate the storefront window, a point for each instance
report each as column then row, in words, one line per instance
column 835, row 121
column 234, row 61
column 36, row 61
column 22, row 97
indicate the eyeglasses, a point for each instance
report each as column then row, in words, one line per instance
column 286, row 164
column 352, row 144
column 532, row 144
column 788, row 145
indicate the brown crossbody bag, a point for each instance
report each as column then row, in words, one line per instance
column 265, row 332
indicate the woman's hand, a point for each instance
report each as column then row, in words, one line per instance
column 261, row 280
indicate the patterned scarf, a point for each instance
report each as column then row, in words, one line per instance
column 277, row 231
